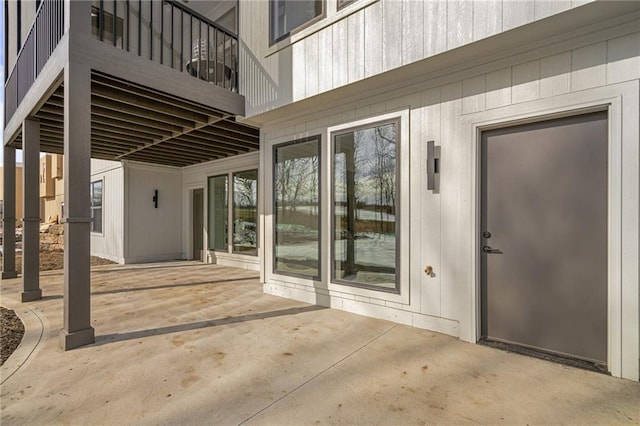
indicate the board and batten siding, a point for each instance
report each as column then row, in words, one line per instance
column 153, row 234
column 443, row 225
column 110, row 243
column 366, row 38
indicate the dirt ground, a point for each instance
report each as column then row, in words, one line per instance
column 52, row 260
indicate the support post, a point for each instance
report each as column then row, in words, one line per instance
column 9, row 218
column 31, row 211
column 77, row 330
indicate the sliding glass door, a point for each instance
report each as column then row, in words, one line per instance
column 245, row 212
column 242, row 197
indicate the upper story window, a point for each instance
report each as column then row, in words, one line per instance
column 287, row 15
column 343, row 3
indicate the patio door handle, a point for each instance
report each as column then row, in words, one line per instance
column 489, row 250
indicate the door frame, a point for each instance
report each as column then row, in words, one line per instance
column 190, row 190
column 623, row 339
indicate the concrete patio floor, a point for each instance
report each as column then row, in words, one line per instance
column 187, row 343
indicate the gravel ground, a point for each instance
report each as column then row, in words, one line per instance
column 11, row 333
column 54, row 259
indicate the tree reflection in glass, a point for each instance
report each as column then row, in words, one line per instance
column 245, row 212
column 364, row 202
column 296, row 208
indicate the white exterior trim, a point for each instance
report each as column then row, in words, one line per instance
column 623, row 293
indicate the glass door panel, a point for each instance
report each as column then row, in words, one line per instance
column 218, row 215
column 245, row 212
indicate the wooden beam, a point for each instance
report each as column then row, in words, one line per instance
column 139, row 112
column 117, row 84
column 145, row 103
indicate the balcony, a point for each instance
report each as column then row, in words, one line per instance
column 163, row 85
column 169, row 33
column 165, row 32
column 42, row 39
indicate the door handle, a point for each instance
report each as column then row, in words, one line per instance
column 489, row 250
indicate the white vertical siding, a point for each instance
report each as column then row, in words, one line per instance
column 110, row 243
column 373, row 39
column 517, row 13
column 355, row 47
column 487, row 18
column 589, row 66
column 365, row 39
column 340, row 54
column 526, row 82
column 412, row 31
column 391, row 35
column 153, row 234
column 441, row 225
column 623, row 58
column 459, row 23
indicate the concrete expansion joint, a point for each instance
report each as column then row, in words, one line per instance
column 349, row 355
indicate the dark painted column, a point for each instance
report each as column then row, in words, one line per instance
column 9, row 219
column 31, row 211
column 77, row 329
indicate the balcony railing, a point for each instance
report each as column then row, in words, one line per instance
column 169, row 33
column 43, row 37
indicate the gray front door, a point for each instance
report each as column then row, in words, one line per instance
column 198, row 223
column 544, row 236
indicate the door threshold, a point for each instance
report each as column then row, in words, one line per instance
column 547, row 356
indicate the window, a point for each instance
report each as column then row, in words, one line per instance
column 296, row 207
column 364, row 197
column 287, row 15
column 218, row 212
column 245, row 212
column 343, row 3
column 96, row 206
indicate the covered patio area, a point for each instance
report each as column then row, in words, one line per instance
column 188, row 343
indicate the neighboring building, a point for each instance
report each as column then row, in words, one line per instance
column 51, row 188
column 467, row 167
column 18, row 189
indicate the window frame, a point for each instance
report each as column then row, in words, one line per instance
column 274, row 40
column 344, row 4
column 317, row 138
column 208, row 248
column 92, row 208
column 332, row 250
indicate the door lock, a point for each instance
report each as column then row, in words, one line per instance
column 489, row 250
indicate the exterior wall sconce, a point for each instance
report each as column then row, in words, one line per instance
column 433, row 167
column 155, row 198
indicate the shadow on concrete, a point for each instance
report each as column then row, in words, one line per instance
column 140, row 334
column 154, row 287
column 141, row 267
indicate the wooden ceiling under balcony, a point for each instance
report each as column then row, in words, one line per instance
column 131, row 122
